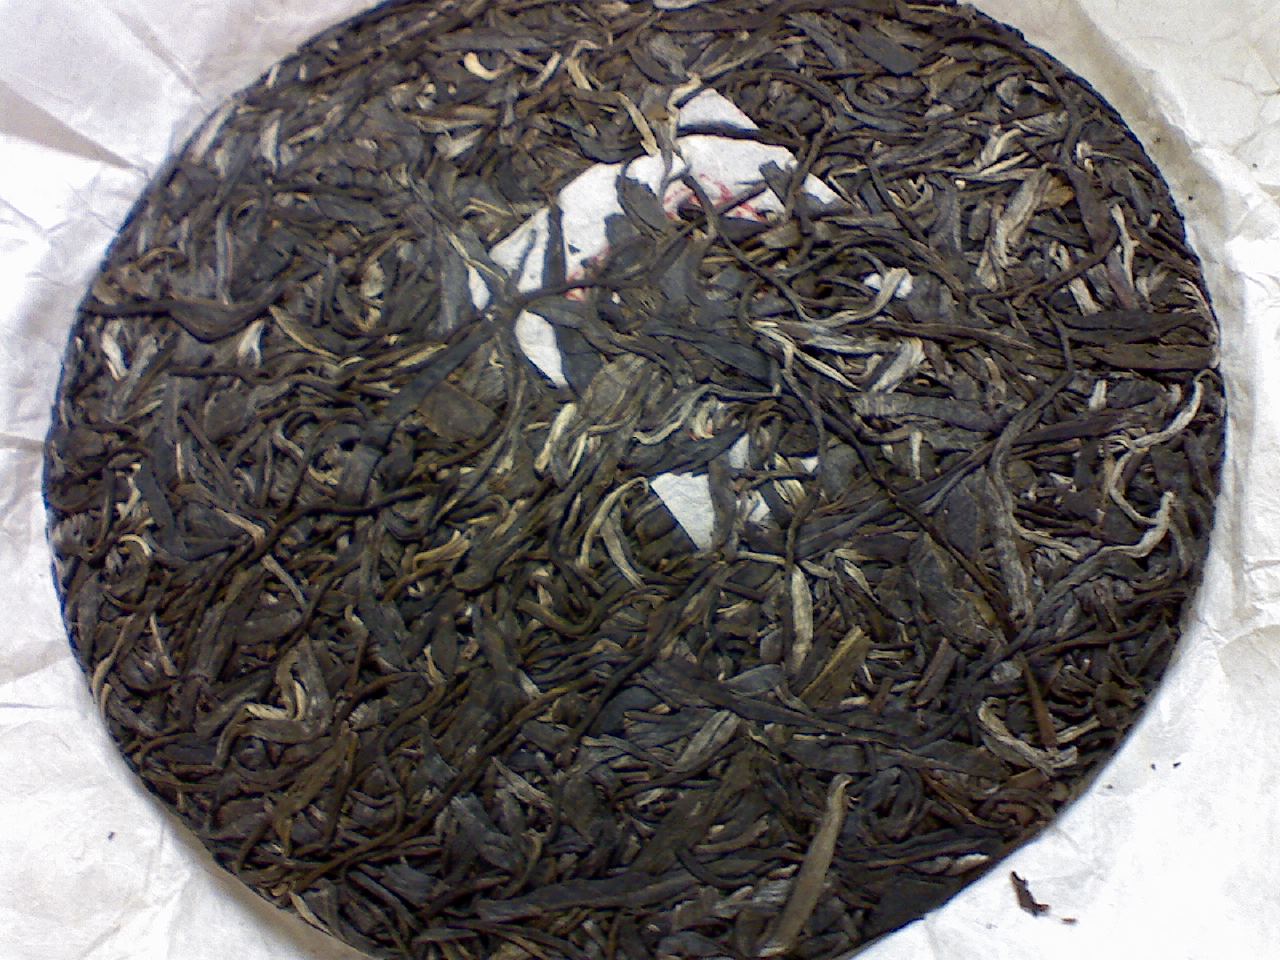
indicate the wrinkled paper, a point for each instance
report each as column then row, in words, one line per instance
column 1172, row 853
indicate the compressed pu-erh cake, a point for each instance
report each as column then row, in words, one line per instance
column 633, row 480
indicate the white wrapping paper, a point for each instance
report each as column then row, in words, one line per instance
column 1174, row 852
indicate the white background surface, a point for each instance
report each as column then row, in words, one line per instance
column 1179, row 863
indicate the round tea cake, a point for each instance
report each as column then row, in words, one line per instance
column 636, row 479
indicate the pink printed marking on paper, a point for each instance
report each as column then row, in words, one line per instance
column 725, row 168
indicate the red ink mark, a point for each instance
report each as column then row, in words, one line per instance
column 678, row 197
column 576, row 275
column 681, row 197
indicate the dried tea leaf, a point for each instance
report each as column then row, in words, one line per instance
column 671, row 479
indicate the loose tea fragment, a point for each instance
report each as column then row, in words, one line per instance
column 632, row 480
column 1026, row 900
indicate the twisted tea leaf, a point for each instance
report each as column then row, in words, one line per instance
column 417, row 642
